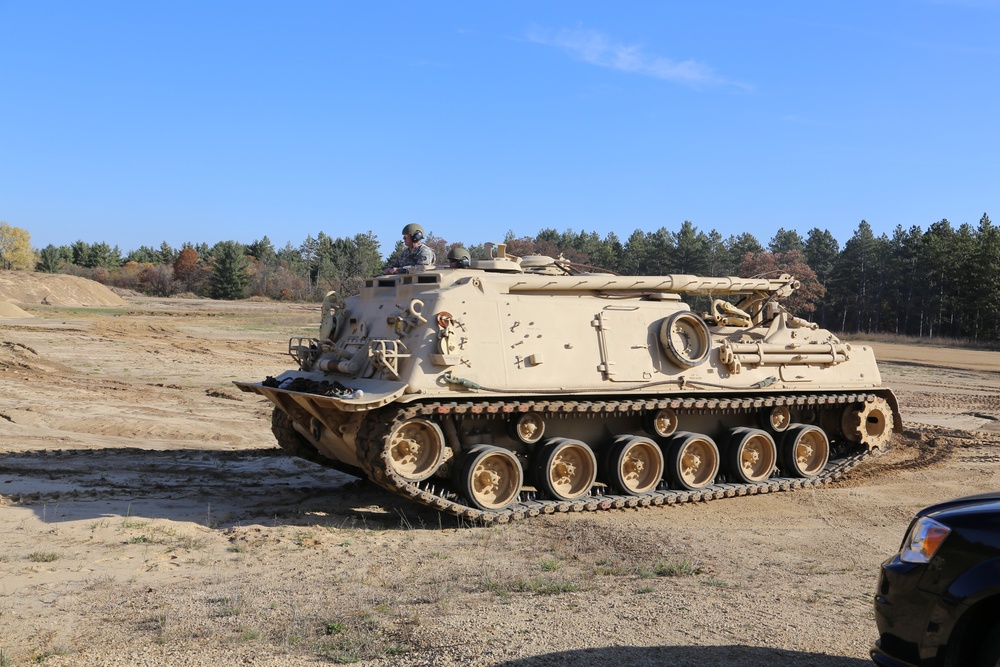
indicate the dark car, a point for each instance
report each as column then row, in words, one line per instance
column 938, row 599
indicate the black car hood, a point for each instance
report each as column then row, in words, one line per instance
column 982, row 501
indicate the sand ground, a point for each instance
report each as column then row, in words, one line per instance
column 147, row 518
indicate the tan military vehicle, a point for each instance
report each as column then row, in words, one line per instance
column 520, row 386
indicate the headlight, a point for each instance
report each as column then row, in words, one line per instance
column 923, row 541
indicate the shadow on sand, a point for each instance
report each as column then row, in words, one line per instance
column 685, row 656
column 209, row 487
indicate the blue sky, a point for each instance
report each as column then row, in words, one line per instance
column 135, row 123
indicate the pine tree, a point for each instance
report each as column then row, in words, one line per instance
column 49, row 260
column 691, row 251
column 634, row 254
column 230, row 275
column 986, row 281
column 938, row 261
column 821, row 250
column 852, row 282
column 904, row 280
column 785, row 241
column 739, row 246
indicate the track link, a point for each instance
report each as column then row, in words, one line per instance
column 374, row 454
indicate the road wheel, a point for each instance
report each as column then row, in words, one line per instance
column 490, row 478
column 565, row 469
column 633, row 465
column 751, row 455
column 805, row 450
column 416, row 449
column 692, row 461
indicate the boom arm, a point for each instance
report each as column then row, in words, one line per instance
column 674, row 283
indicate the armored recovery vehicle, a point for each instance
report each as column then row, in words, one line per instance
column 520, row 386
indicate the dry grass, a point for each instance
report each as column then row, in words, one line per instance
column 354, row 600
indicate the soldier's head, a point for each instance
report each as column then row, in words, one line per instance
column 459, row 258
column 413, row 234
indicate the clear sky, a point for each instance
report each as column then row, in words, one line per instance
column 135, row 123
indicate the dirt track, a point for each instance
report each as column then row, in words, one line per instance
column 148, row 519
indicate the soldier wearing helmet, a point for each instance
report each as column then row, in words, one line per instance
column 459, row 258
column 416, row 253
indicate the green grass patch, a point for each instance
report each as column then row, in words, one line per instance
column 537, row 586
column 43, row 556
column 677, row 568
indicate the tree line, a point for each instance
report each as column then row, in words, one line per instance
column 940, row 282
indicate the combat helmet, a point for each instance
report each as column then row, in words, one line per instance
column 415, row 231
column 460, row 255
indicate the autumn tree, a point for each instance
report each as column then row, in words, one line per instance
column 519, row 246
column 128, row 276
column 186, row 270
column 158, row 279
column 771, row 265
column 15, row 248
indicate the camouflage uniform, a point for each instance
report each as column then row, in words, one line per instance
column 418, row 255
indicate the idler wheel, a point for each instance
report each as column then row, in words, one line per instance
column 751, row 455
column 490, row 477
column 805, row 450
column 633, row 465
column 416, row 449
column 692, row 461
column 565, row 469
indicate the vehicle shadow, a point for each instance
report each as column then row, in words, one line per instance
column 685, row 656
column 214, row 488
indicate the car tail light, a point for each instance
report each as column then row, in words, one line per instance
column 924, row 539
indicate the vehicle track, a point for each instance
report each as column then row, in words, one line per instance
column 374, row 448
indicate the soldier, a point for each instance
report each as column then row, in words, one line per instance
column 459, row 258
column 416, row 253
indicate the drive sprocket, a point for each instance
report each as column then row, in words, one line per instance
column 870, row 424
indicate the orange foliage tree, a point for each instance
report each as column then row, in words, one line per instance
column 771, row 265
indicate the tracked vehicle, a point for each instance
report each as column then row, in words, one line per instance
column 521, row 386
